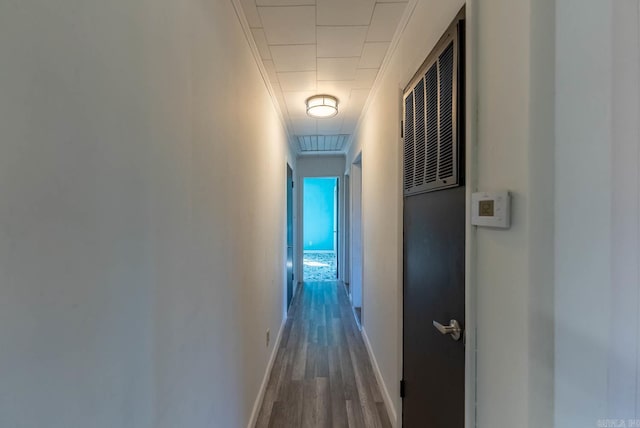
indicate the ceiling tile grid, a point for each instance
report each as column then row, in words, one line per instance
column 322, row 46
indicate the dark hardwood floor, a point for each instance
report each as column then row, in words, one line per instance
column 322, row 376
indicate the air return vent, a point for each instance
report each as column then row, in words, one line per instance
column 432, row 126
column 321, row 143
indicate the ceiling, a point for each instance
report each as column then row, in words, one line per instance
column 333, row 47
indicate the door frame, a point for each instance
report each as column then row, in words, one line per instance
column 471, row 183
column 290, row 223
column 346, row 230
column 337, row 218
column 356, row 231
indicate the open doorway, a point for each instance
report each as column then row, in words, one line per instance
column 320, row 229
column 356, row 244
column 289, row 236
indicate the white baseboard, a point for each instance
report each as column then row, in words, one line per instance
column 265, row 380
column 388, row 402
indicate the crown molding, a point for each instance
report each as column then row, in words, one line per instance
column 263, row 71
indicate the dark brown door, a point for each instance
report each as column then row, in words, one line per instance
column 434, row 268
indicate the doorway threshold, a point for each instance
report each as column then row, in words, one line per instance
column 319, row 266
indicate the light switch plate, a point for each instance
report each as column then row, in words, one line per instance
column 491, row 209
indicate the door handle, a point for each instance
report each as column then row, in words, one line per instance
column 452, row 329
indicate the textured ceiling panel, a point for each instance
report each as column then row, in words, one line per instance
column 386, row 17
column 365, row 78
column 336, row 42
column 372, row 54
column 337, row 68
column 297, row 81
column 289, row 25
column 294, row 57
column 296, row 106
column 341, row 12
column 339, row 89
column 330, row 126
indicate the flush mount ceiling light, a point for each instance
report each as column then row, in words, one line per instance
column 322, row 106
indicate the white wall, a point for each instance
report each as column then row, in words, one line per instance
column 597, row 213
column 514, row 269
column 624, row 359
column 510, row 273
column 137, row 277
column 583, row 175
column 318, row 166
column 623, row 400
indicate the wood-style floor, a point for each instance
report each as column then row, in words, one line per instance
column 322, row 375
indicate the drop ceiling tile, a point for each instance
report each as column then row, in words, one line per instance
column 384, row 23
column 357, row 100
column 337, row 68
column 372, row 54
column 298, row 81
column 296, row 104
column 341, row 12
column 261, row 42
column 330, row 126
column 365, row 78
column 349, row 125
column 284, row 2
column 251, row 13
column 289, row 24
column 339, row 89
column 294, row 57
column 306, row 126
column 334, row 42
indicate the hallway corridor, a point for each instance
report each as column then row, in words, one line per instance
column 322, row 376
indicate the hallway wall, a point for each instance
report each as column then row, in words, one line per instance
column 378, row 137
column 597, row 334
column 142, row 215
column 511, row 273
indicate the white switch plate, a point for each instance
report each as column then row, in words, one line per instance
column 491, row 209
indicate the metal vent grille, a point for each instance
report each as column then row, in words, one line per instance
column 322, row 143
column 445, row 159
column 430, row 134
column 432, row 123
column 418, row 120
column 409, row 142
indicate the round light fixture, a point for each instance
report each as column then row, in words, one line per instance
column 322, row 106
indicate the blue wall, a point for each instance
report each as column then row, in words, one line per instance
column 319, row 205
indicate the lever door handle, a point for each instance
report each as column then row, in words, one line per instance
column 452, row 329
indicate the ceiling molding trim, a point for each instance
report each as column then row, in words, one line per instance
column 246, row 29
column 406, row 16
